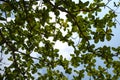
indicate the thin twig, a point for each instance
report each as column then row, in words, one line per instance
column 27, row 55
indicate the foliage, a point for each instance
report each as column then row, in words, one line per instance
column 22, row 36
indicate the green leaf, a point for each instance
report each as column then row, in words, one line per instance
column 69, row 71
column 2, row 18
column 86, row 3
column 108, row 37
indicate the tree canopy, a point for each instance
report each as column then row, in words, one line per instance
column 36, row 26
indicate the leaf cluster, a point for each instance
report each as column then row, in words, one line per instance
column 23, row 36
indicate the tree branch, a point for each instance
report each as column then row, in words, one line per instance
column 13, row 49
column 74, row 20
